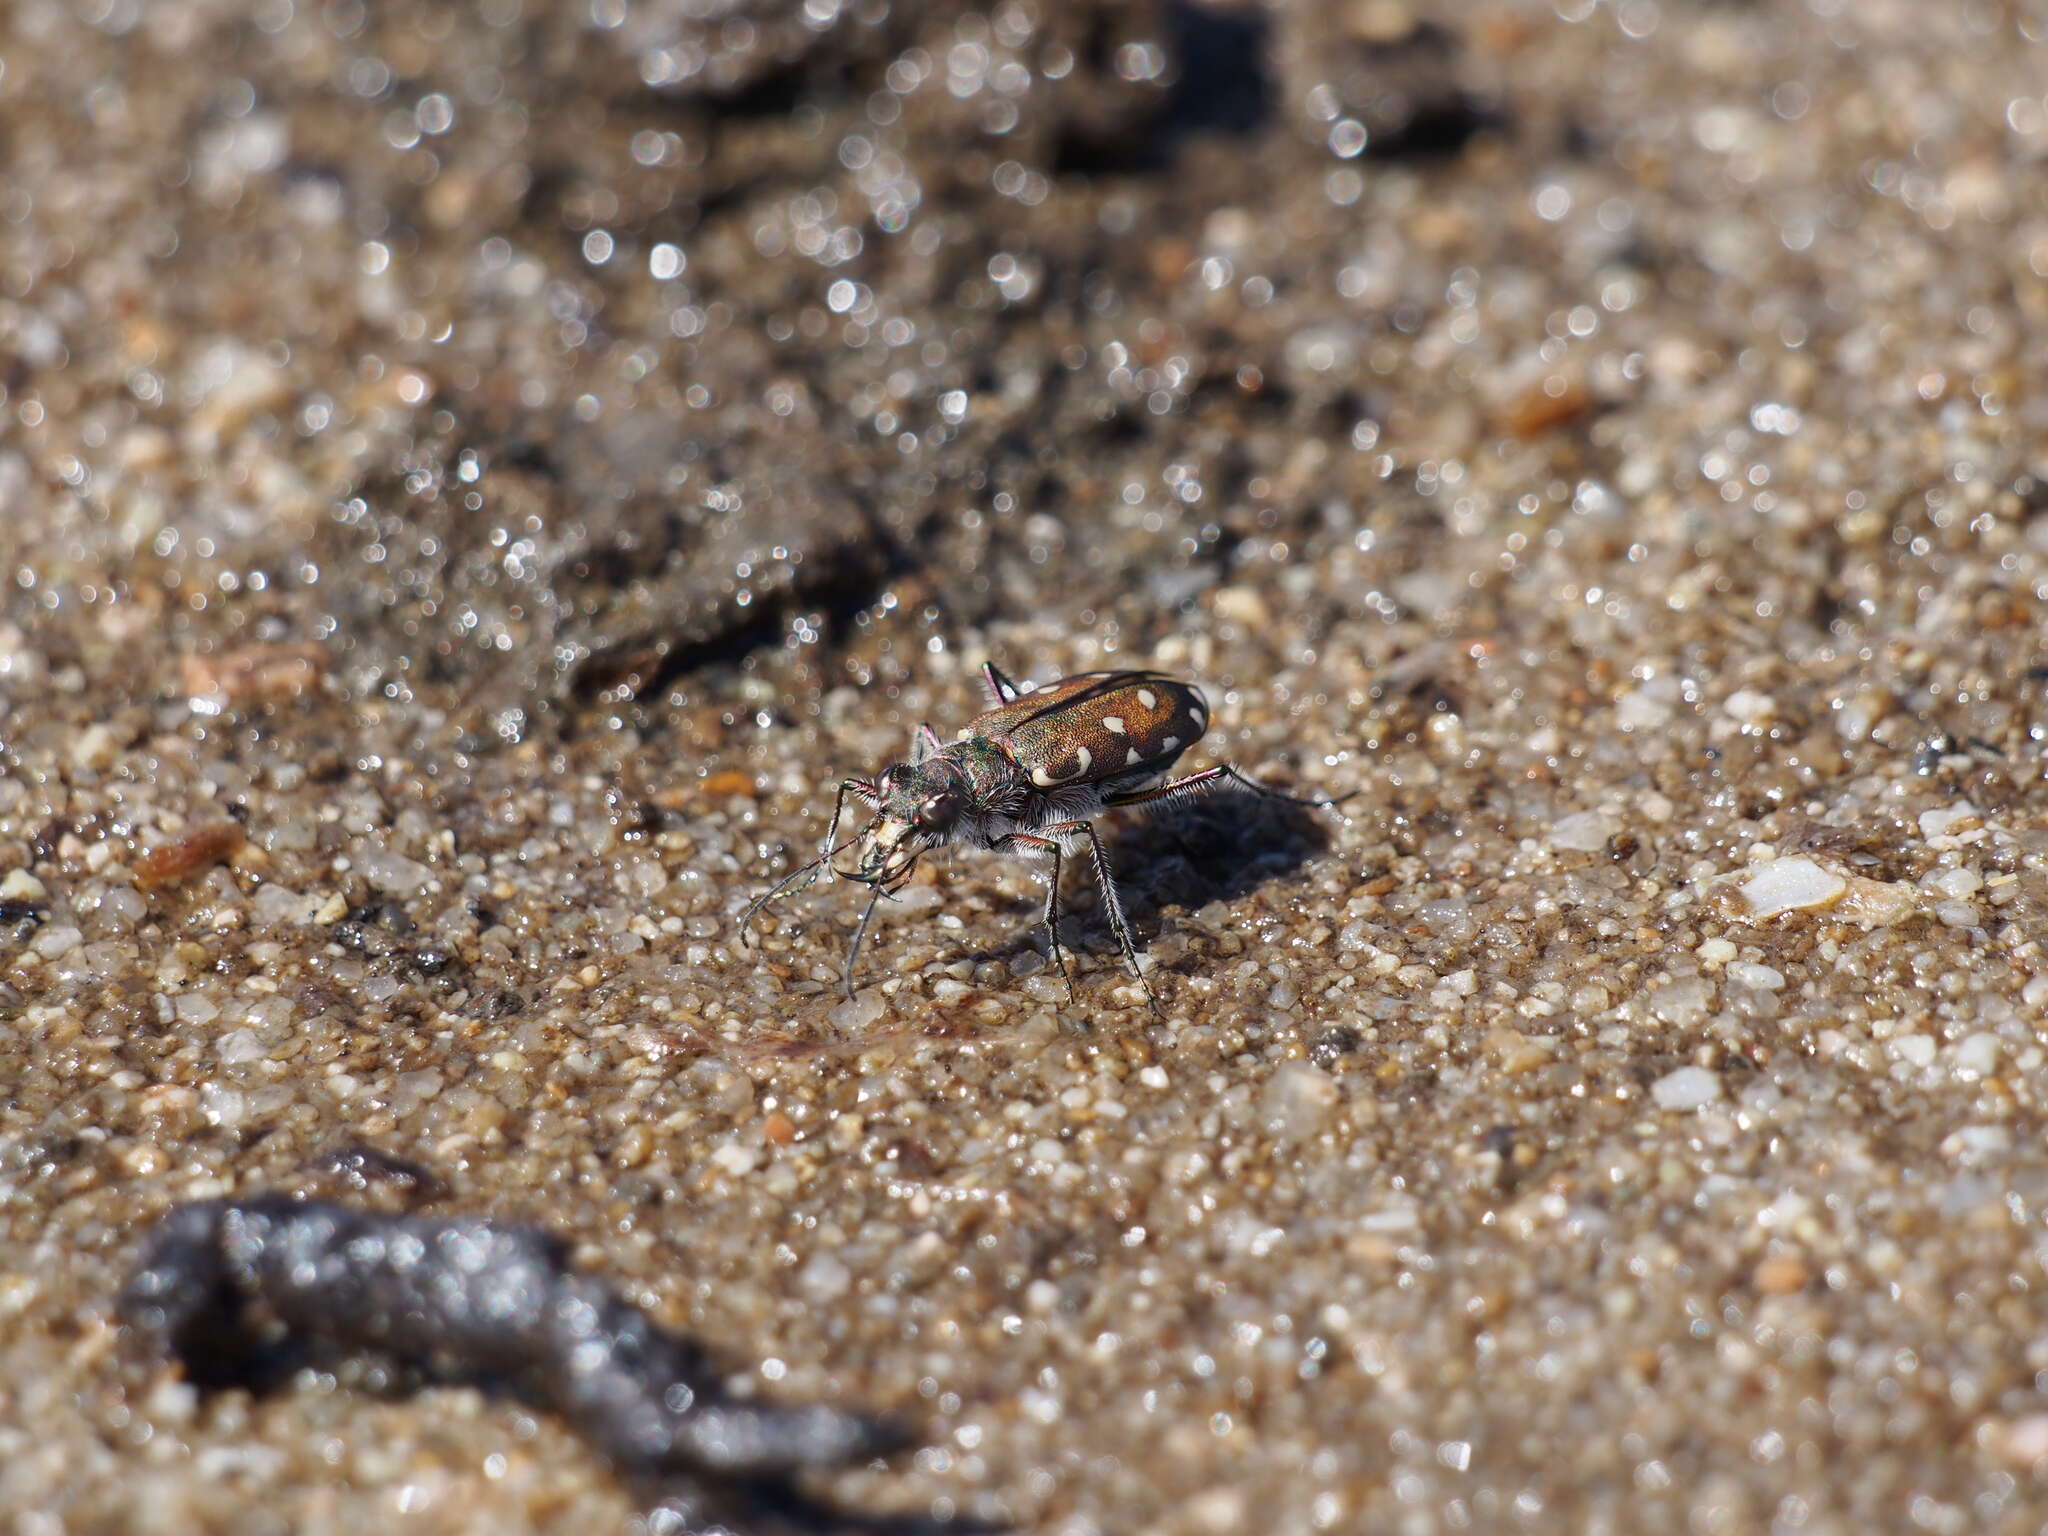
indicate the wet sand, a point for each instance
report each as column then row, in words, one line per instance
column 473, row 479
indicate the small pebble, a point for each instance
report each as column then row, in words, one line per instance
column 1582, row 832
column 1762, row 978
column 1780, row 1275
column 1687, row 1088
column 1914, row 1050
column 1297, row 1100
column 858, row 1012
column 1683, row 1003
column 1958, row 883
column 1949, row 821
column 1878, row 903
column 57, row 941
column 1977, row 1055
column 20, row 885
column 1790, row 885
column 1750, row 707
column 389, row 870
column 1977, row 1143
column 736, row 1158
column 2023, row 1443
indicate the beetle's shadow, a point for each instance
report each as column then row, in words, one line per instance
column 1217, row 847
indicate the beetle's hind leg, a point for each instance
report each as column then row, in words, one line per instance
column 1112, row 903
column 1209, row 778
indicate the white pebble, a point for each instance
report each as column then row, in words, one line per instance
column 824, row 1277
column 858, row 1012
column 1950, row 820
column 1914, row 1050
column 195, row 1008
column 1958, row 883
column 914, row 901
column 1217, row 1510
column 389, row 870
column 1683, row 1002
column 1957, row 914
column 1751, row 707
column 1585, row 832
column 1646, row 708
column 223, row 1105
column 238, row 1046
column 93, row 747
column 60, row 940
column 737, row 1158
column 1297, row 1101
column 276, row 905
column 1687, row 1088
column 122, row 907
column 1401, row 1216
column 2025, row 1441
column 1976, row 1143
column 20, row 885
column 1977, row 1055
column 1763, row 978
column 1791, row 885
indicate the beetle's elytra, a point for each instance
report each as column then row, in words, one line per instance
column 1026, row 777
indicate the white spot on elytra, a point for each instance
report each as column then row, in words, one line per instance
column 1042, row 779
column 1148, row 698
column 1085, row 759
column 1169, row 744
column 1113, row 723
column 1134, row 759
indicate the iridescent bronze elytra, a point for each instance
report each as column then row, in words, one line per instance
column 1026, row 777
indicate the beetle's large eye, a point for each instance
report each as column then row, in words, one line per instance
column 886, row 783
column 939, row 812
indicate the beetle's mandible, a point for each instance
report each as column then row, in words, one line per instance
column 1026, row 777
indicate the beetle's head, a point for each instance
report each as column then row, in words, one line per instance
column 918, row 806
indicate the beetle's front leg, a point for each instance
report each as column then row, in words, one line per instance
column 799, row 878
column 861, row 787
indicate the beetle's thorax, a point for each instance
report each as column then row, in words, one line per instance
column 971, row 792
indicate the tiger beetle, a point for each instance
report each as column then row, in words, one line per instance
column 1026, row 777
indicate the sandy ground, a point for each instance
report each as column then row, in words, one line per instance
column 473, row 478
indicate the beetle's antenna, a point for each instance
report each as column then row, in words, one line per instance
column 802, row 875
column 859, row 934
column 1270, row 793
